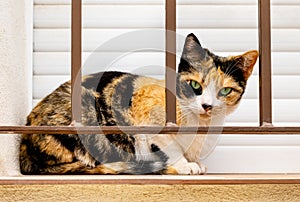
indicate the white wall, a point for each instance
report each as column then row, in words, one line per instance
column 223, row 26
column 16, row 75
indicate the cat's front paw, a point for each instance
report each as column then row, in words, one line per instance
column 190, row 168
column 75, row 124
column 171, row 124
column 203, row 168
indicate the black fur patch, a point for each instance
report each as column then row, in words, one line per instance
column 100, row 80
column 124, row 91
column 37, row 160
column 184, row 66
column 124, row 142
column 183, row 89
column 159, row 153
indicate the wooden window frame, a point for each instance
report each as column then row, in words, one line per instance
column 265, row 114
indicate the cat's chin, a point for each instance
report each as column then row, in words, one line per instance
column 205, row 116
column 205, row 120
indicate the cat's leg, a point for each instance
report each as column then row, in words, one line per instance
column 192, row 144
column 178, row 150
column 177, row 162
column 80, row 150
column 183, row 166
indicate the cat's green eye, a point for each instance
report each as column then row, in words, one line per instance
column 196, row 87
column 225, row 91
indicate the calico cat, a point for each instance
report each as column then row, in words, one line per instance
column 208, row 88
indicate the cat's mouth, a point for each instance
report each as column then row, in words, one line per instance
column 205, row 113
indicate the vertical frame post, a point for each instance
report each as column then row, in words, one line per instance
column 170, row 75
column 76, row 61
column 265, row 77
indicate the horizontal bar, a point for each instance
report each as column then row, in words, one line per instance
column 146, row 130
column 156, row 179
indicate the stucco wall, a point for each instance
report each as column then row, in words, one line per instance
column 15, row 79
column 150, row 193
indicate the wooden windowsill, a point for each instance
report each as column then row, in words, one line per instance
column 155, row 179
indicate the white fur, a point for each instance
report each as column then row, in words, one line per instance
column 142, row 148
column 195, row 147
column 209, row 96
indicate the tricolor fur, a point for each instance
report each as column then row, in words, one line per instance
column 208, row 88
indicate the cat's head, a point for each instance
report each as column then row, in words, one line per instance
column 209, row 85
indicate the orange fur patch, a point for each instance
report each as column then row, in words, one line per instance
column 148, row 105
column 170, row 171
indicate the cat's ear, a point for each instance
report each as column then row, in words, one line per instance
column 192, row 52
column 192, row 49
column 247, row 62
column 191, row 43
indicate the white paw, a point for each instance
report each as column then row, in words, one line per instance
column 75, row 124
column 171, row 124
column 190, row 169
column 203, row 168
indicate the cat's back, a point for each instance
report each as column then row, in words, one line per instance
column 119, row 98
column 54, row 109
column 128, row 98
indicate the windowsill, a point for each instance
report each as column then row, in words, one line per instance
column 154, row 179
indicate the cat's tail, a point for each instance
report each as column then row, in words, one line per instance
column 136, row 167
column 114, row 168
column 133, row 168
column 140, row 167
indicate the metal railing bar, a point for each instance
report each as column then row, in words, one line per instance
column 148, row 130
column 170, row 51
column 76, row 47
column 265, row 73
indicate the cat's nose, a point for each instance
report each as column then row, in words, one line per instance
column 206, row 107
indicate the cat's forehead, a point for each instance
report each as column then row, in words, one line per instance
column 208, row 68
column 205, row 64
column 212, row 75
column 214, row 68
column 205, row 76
